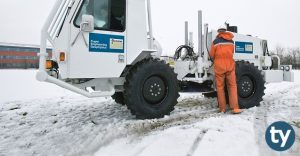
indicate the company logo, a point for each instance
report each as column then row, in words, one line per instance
column 116, row 43
column 244, row 47
column 280, row 136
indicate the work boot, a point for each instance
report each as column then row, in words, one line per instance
column 222, row 110
column 236, row 111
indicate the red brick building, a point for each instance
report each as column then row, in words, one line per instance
column 19, row 56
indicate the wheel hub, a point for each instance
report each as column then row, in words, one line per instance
column 246, row 88
column 154, row 90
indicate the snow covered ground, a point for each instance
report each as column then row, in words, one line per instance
column 42, row 119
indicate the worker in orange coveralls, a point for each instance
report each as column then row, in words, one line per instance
column 221, row 53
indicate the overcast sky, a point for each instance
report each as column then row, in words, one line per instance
column 278, row 21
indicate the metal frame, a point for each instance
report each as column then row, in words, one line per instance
column 200, row 39
column 186, row 33
column 203, row 66
column 150, row 24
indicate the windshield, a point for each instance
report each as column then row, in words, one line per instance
column 108, row 14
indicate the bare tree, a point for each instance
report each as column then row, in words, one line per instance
column 279, row 51
column 293, row 52
column 292, row 57
column 297, row 51
column 288, row 56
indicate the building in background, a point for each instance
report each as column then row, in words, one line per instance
column 19, row 56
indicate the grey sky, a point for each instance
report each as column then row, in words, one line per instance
column 278, row 21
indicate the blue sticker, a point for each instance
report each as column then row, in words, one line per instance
column 106, row 43
column 244, row 47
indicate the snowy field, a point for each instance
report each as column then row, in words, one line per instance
column 42, row 119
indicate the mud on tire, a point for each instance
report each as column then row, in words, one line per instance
column 119, row 98
column 151, row 89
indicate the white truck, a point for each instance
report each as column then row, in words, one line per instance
column 106, row 48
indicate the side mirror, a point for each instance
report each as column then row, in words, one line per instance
column 87, row 24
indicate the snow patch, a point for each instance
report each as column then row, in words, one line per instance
column 214, row 136
column 17, row 85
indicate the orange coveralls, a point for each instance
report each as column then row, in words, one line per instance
column 221, row 52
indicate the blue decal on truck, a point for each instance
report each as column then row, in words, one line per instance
column 106, row 43
column 244, row 47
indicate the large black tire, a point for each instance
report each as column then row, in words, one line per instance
column 119, row 98
column 247, row 76
column 250, row 84
column 151, row 89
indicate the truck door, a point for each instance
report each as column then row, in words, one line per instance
column 102, row 52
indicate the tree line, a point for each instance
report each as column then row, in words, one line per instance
column 288, row 56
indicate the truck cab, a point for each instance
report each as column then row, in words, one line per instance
column 92, row 35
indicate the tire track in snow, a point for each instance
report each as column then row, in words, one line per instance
column 141, row 129
column 86, row 124
column 187, row 111
column 196, row 143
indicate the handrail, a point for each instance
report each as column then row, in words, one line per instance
column 51, row 26
column 53, row 21
column 44, row 35
column 60, row 19
column 278, row 59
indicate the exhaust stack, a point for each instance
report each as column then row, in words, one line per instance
column 200, row 39
column 186, row 33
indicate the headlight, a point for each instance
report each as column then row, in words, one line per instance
column 282, row 68
column 287, row 68
column 62, row 56
column 49, row 64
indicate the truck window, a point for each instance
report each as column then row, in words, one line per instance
column 108, row 14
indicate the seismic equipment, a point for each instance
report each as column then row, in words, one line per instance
column 106, row 48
